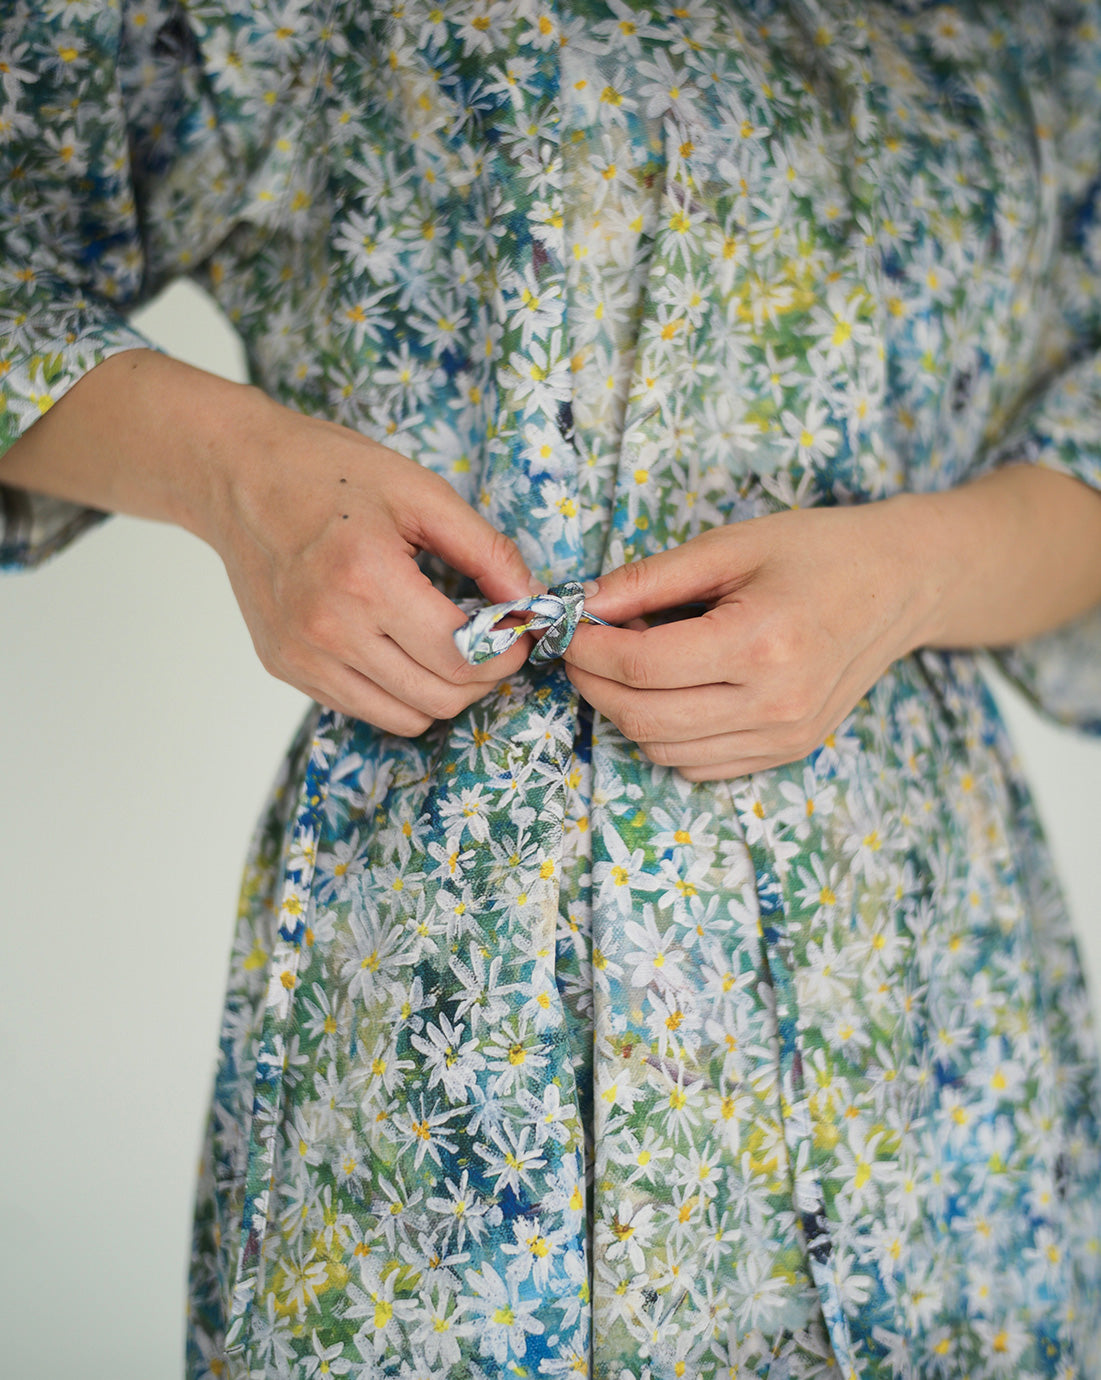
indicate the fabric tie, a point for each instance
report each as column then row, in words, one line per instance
column 559, row 611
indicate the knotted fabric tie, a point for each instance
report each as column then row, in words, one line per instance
column 559, row 611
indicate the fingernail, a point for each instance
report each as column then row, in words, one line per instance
column 537, row 586
column 591, row 588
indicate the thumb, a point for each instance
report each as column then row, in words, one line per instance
column 683, row 575
column 448, row 526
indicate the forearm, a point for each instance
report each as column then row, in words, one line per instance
column 1005, row 557
column 139, row 434
column 994, row 561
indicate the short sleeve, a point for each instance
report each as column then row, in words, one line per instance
column 71, row 256
column 1060, row 425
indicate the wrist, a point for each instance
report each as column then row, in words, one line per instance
column 141, row 434
column 916, row 557
column 1003, row 557
column 190, row 429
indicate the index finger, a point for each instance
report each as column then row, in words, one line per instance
column 421, row 620
column 671, row 656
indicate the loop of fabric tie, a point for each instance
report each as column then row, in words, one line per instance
column 559, row 611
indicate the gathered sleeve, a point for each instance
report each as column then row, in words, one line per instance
column 1060, row 671
column 1059, row 424
column 71, row 252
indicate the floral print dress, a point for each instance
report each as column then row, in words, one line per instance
column 537, row 1059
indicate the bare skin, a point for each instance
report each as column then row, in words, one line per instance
column 808, row 608
column 318, row 528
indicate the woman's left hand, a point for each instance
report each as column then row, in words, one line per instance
column 805, row 611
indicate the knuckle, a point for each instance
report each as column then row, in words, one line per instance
column 456, row 670
column 445, row 704
column 635, row 669
column 787, row 741
column 636, row 577
column 315, row 623
column 793, row 706
column 503, row 551
column 418, row 480
column 407, row 723
column 778, row 644
column 299, row 608
column 353, row 575
column 661, row 754
column 637, row 724
column 785, row 747
column 697, row 773
column 351, row 562
column 460, row 700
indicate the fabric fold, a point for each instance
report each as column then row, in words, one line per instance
column 556, row 615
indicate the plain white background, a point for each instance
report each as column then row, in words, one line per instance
column 138, row 736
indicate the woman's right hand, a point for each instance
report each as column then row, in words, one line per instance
column 318, row 528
